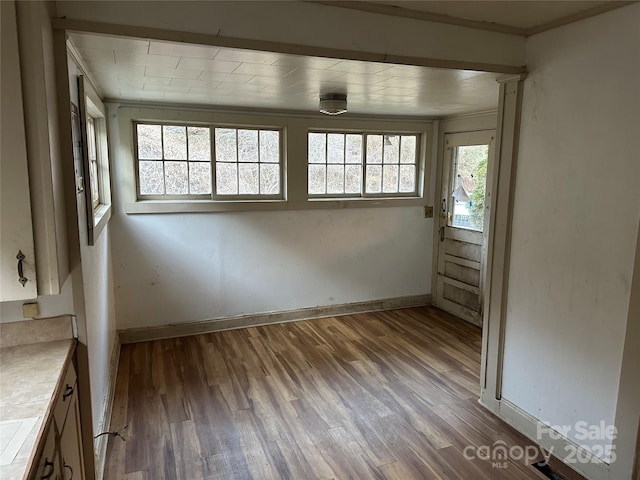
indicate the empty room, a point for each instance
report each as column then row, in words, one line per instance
column 320, row 240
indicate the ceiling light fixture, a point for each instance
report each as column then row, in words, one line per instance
column 333, row 103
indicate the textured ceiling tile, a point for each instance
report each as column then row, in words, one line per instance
column 172, row 72
column 208, row 65
column 127, row 58
column 95, row 55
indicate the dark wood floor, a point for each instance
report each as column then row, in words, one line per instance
column 389, row 395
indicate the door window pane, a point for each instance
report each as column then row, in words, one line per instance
column 468, row 184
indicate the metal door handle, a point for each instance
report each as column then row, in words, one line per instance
column 442, row 234
column 68, row 392
column 47, row 464
column 21, row 278
column 444, row 205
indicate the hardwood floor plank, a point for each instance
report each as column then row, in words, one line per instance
column 382, row 395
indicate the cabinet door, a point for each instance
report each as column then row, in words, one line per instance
column 17, row 276
column 49, row 466
column 71, row 444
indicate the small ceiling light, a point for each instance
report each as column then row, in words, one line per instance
column 333, row 103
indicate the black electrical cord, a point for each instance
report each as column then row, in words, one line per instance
column 115, row 433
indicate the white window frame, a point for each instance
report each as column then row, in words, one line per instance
column 363, row 185
column 294, row 149
column 214, row 195
column 91, row 106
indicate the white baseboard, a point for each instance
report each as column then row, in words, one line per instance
column 100, row 443
column 135, row 335
column 593, row 468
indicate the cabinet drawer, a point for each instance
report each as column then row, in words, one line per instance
column 66, row 394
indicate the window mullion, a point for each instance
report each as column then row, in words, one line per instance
column 164, row 175
column 186, row 133
column 259, row 169
column 344, row 163
column 237, row 164
column 212, row 161
column 363, row 191
column 326, row 161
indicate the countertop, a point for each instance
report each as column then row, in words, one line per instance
column 30, row 379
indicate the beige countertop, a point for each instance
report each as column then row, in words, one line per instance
column 30, row 379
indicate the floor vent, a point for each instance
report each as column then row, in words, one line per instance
column 547, row 471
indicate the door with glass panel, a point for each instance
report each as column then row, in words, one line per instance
column 463, row 217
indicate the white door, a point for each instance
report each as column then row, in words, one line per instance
column 462, row 219
column 17, row 256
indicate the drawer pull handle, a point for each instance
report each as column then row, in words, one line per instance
column 47, row 465
column 21, row 278
column 71, row 470
column 68, row 392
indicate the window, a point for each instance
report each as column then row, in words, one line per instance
column 90, row 132
column 342, row 164
column 92, row 153
column 468, row 184
column 175, row 161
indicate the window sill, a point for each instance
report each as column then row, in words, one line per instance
column 204, row 206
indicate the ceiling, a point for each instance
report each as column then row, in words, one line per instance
column 136, row 69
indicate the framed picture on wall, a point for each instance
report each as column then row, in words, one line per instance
column 95, row 156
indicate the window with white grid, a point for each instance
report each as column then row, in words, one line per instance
column 204, row 162
column 346, row 164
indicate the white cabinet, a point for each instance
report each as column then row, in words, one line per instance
column 62, row 456
column 32, row 194
column 16, row 232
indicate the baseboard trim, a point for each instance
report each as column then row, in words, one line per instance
column 593, row 467
column 100, row 443
column 134, row 335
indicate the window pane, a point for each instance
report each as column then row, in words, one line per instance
column 335, row 179
column 199, row 143
column 374, row 149
column 226, row 145
column 248, row 179
column 199, row 178
column 317, row 148
column 270, row 179
column 95, row 187
column 269, row 146
column 149, row 142
column 408, row 149
column 391, row 149
column 335, row 148
column 151, row 178
column 247, row 145
column 354, row 148
column 176, row 178
column 91, row 139
column 390, row 179
column 175, row 142
column 468, row 186
column 374, row 178
column 407, row 178
column 317, row 178
column 226, row 178
column 353, row 179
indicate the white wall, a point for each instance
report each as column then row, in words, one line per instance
column 97, row 326
column 576, row 215
column 180, row 268
column 176, row 268
column 308, row 24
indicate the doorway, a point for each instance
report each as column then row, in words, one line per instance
column 462, row 222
